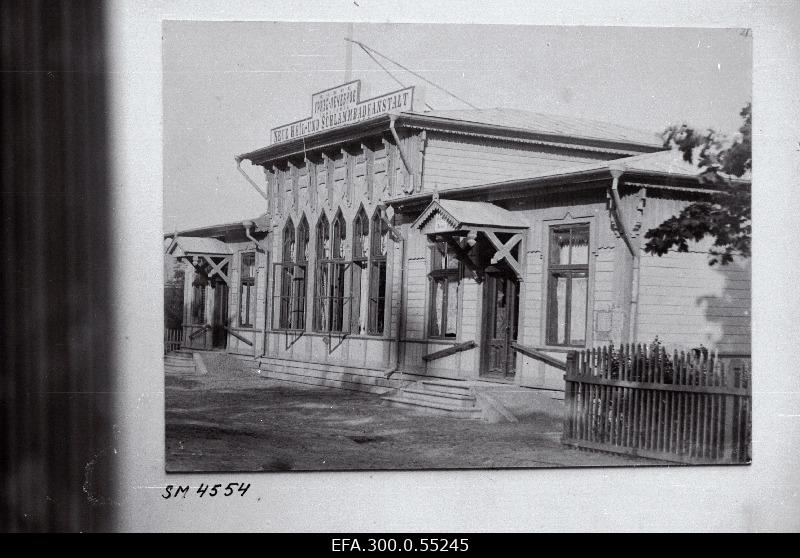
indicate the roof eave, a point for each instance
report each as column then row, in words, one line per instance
column 284, row 150
column 273, row 153
column 212, row 230
column 447, row 124
column 578, row 179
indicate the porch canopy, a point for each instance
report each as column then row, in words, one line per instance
column 209, row 254
column 462, row 223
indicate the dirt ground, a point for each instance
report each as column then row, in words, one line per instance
column 231, row 420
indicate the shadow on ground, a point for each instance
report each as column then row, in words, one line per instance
column 234, row 422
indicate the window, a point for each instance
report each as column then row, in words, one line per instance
column 377, row 274
column 299, row 290
column 568, row 285
column 287, row 274
column 330, row 299
column 360, row 274
column 290, row 299
column 322, row 284
column 247, row 290
column 445, row 280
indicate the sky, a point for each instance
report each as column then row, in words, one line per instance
column 226, row 84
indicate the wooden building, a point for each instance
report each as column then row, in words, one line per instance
column 464, row 244
column 224, row 285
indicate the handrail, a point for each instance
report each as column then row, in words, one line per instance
column 199, row 331
column 450, row 351
column 237, row 336
column 533, row 353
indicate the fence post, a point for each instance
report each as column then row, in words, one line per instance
column 569, row 396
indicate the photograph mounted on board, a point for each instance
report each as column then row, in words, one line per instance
column 403, row 246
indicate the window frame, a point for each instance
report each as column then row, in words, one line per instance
column 447, row 275
column 300, row 277
column 378, row 259
column 249, row 281
column 360, row 268
column 335, row 267
column 571, row 272
column 284, row 296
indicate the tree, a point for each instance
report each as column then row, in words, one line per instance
column 726, row 216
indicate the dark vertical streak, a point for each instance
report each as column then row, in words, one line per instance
column 38, row 356
column 70, row 261
column 8, row 394
column 56, row 315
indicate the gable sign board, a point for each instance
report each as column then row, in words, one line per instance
column 340, row 106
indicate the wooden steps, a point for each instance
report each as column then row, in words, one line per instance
column 333, row 376
column 179, row 363
column 452, row 398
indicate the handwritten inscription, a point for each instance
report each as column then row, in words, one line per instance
column 172, row 491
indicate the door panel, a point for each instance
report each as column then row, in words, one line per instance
column 501, row 302
column 219, row 335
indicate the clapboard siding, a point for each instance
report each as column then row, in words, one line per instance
column 683, row 300
column 415, row 303
column 452, row 160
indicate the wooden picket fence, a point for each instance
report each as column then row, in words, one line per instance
column 173, row 338
column 688, row 407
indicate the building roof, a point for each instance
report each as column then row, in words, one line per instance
column 513, row 124
column 187, row 245
column 661, row 162
column 261, row 225
column 460, row 213
column 669, row 163
column 665, row 168
column 549, row 124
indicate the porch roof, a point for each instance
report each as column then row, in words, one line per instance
column 187, row 245
column 465, row 214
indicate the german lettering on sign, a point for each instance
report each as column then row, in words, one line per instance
column 340, row 106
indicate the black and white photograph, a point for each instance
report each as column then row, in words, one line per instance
column 391, row 275
column 410, row 246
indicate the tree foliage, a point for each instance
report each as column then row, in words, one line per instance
column 726, row 216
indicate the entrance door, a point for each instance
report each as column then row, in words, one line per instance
column 219, row 318
column 501, row 302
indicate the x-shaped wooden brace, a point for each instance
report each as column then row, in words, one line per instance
column 217, row 268
column 463, row 256
column 504, row 250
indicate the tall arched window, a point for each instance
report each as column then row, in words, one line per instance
column 299, row 292
column 338, row 269
column 379, row 247
column 360, row 275
column 287, row 274
column 331, row 286
column 322, row 284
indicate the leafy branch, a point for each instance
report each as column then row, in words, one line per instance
column 727, row 215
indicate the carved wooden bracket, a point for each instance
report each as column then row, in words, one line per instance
column 504, row 250
column 216, row 268
column 464, row 257
column 637, row 225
